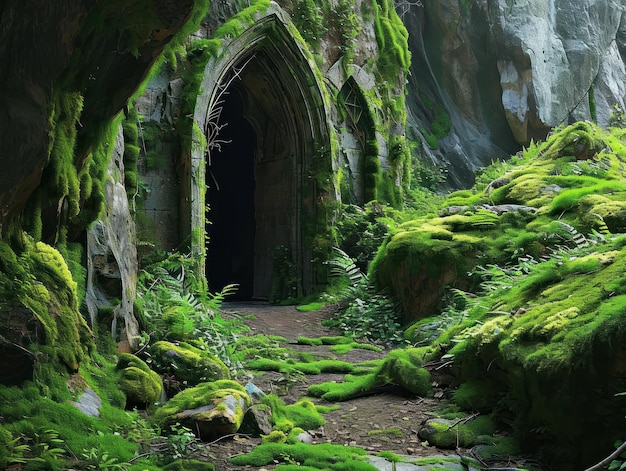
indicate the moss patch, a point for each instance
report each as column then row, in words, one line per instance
column 401, row 368
column 321, row 456
column 188, row 364
column 140, row 384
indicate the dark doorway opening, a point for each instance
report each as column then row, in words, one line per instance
column 230, row 196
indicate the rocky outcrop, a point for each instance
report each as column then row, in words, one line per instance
column 507, row 72
column 102, row 50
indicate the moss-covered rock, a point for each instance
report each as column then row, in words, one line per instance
column 140, row 384
column 568, row 185
column 404, row 368
column 39, row 311
column 210, row 410
column 445, row 433
column 186, row 364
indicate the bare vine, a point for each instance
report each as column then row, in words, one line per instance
column 213, row 127
column 403, row 6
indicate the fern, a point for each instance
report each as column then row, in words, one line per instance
column 177, row 306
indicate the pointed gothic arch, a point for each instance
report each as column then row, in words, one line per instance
column 260, row 182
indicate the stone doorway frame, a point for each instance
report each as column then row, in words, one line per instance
column 269, row 37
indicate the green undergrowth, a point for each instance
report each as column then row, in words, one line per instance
column 177, row 307
column 517, row 285
column 570, row 184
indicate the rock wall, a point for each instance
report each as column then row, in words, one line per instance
column 507, row 72
column 100, row 51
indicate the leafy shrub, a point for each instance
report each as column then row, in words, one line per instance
column 178, row 306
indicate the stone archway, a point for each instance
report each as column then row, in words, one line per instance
column 261, row 190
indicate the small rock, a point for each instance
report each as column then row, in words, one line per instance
column 256, row 421
column 89, row 403
column 254, row 392
column 304, row 437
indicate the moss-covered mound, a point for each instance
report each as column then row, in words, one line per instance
column 326, row 456
column 573, row 183
column 539, row 336
column 140, row 384
column 300, row 415
column 401, row 368
column 39, row 317
column 186, row 365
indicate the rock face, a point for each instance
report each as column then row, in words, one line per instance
column 50, row 46
column 507, row 72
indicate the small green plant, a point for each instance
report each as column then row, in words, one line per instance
column 181, row 442
column 618, row 117
column 95, row 458
column 366, row 314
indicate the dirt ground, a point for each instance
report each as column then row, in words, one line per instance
column 357, row 421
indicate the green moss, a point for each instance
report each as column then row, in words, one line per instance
column 322, row 456
column 200, row 395
column 40, row 281
column 308, row 17
column 131, row 152
column 313, row 306
column 188, row 364
column 301, row 414
column 403, row 368
column 44, row 423
column 139, row 383
column 459, row 433
column 292, row 367
column 478, row 395
column 400, row 367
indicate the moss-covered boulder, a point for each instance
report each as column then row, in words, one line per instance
column 39, row 317
column 572, row 184
column 140, row 384
column 186, row 365
column 455, row 433
column 536, row 330
column 210, row 410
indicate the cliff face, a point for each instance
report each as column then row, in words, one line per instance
column 507, row 72
column 97, row 51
